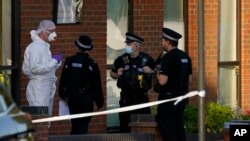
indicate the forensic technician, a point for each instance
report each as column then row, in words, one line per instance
column 80, row 84
column 133, row 71
column 173, row 76
column 40, row 66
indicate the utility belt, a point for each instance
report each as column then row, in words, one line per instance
column 166, row 95
column 65, row 92
column 169, row 95
column 81, row 90
column 129, row 98
column 134, row 81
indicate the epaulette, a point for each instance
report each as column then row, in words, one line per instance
column 92, row 60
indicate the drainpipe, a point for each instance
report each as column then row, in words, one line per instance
column 201, row 68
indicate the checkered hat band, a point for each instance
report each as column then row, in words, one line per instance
column 82, row 45
column 169, row 37
column 133, row 38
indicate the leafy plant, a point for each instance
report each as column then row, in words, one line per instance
column 153, row 110
column 216, row 115
column 191, row 119
column 245, row 117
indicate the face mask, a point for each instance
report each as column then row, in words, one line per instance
column 52, row 36
column 128, row 49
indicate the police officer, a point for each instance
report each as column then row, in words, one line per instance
column 156, row 87
column 174, row 78
column 80, row 84
column 133, row 70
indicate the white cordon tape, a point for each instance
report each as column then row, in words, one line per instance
column 123, row 109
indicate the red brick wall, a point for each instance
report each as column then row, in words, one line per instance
column 193, row 43
column 245, row 52
column 210, row 46
column 148, row 23
column 93, row 23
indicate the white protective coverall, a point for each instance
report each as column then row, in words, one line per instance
column 40, row 68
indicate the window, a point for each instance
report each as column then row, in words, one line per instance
column 9, row 45
column 229, row 57
column 174, row 18
column 117, row 26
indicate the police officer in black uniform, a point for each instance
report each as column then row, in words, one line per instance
column 80, row 84
column 133, row 70
column 156, row 87
column 173, row 76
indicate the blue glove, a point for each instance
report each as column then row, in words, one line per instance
column 58, row 57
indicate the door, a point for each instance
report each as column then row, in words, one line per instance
column 117, row 26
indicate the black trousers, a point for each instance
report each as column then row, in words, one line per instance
column 129, row 98
column 79, row 103
column 171, row 126
column 80, row 126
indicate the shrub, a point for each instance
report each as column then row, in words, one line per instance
column 245, row 117
column 216, row 115
column 191, row 119
column 153, row 110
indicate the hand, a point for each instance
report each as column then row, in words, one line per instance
column 99, row 109
column 147, row 69
column 119, row 71
column 58, row 57
column 157, row 75
column 65, row 100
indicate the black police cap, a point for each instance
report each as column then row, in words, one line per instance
column 84, row 42
column 170, row 34
column 131, row 37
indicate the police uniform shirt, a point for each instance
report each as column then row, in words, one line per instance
column 172, row 66
column 80, row 71
column 126, row 62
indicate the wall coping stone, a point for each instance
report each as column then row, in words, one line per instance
column 36, row 110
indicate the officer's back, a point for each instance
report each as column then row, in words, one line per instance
column 80, row 84
column 78, row 72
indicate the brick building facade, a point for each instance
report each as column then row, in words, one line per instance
column 148, row 17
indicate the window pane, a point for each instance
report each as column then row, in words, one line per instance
column 117, row 26
column 5, row 35
column 173, row 10
column 5, row 42
column 173, row 18
column 227, row 31
column 113, row 97
column 227, row 86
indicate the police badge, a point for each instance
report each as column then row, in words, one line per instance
column 125, row 59
column 144, row 61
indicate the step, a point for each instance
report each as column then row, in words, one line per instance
column 104, row 137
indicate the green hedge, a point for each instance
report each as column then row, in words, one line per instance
column 215, row 116
column 191, row 119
